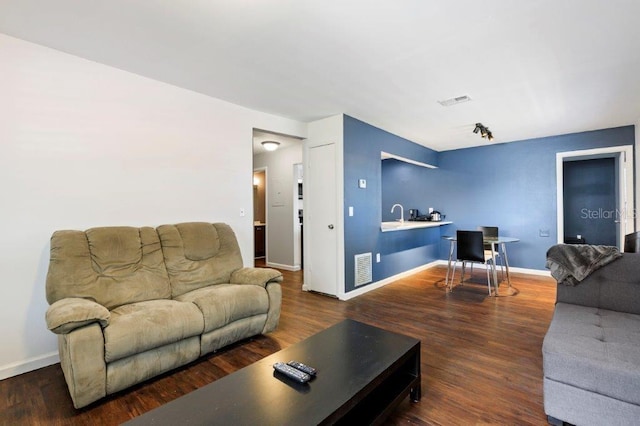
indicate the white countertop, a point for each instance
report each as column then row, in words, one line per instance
column 408, row 225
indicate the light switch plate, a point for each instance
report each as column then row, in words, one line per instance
column 362, row 183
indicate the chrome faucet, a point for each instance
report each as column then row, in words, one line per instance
column 401, row 211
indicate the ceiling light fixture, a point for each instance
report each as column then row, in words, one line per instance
column 484, row 131
column 270, row 145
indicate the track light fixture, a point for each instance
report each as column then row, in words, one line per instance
column 484, row 131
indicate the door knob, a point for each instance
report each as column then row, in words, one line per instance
column 330, row 226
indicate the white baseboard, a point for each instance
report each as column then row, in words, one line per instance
column 292, row 268
column 542, row 272
column 27, row 365
column 382, row 283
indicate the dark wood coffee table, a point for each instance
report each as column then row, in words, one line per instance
column 363, row 373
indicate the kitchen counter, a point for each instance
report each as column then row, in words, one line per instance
column 409, row 225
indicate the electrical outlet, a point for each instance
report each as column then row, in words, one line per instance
column 362, row 183
column 377, row 257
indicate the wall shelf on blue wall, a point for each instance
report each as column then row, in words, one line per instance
column 386, row 156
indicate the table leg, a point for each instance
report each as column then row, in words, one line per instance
column 506, row 263
column 495, row 270
column 446, row 281
column 415, row 392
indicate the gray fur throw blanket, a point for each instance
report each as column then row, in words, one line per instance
column 572, row 263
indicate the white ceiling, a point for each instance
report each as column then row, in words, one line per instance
column 532, row 68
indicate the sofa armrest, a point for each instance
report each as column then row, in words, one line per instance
column 83, row 364
column 274, row 291
column 256, row 276
column 70, row 313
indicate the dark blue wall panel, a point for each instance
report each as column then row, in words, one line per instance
column 590, row 208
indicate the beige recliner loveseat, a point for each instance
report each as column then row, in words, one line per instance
column 130, row 303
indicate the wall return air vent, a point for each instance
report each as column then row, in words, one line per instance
column 455, row 101
column 363, row 268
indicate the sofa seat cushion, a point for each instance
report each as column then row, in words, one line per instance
column 142, row 326
column 224, row 303
column 594, row 349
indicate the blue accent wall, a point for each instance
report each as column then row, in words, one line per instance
column 510, row 185
column 513, row 186
column 401, row 250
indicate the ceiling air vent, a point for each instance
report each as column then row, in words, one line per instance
column 454, row 101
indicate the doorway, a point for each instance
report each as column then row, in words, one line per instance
column 298, row 191
column 279, row 222
column 260, row 214
column 595, row 195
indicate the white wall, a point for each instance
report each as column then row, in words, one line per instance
column 281, row 204
column 83, row 145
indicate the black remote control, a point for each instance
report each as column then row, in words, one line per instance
column 291, row 372
column 302, row 367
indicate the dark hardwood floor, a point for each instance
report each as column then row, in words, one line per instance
column 481, row 356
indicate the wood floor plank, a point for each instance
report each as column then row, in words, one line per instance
column 481, row 356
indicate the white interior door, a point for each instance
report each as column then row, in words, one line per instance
column 320, row 220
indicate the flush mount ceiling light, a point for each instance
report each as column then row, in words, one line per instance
column 484, row 131
column 270, row 145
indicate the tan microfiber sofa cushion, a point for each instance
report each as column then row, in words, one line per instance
column 199, row 254
column 112, row 266
column 225, row 303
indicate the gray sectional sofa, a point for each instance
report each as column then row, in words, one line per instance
column 130, row 303
column 591, row 352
